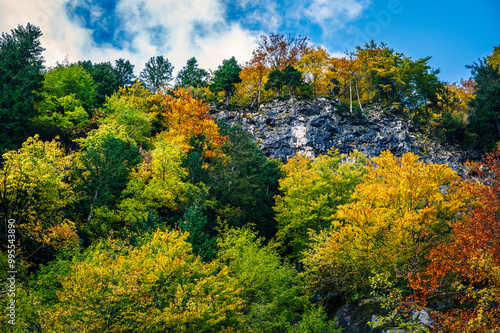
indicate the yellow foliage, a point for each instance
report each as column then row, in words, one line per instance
column 33, row 187
column 186, row 117
column 157, row 287
column 402, row 206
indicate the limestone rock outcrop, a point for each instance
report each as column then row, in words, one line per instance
column 283, row 128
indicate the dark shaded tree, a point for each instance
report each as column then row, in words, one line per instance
column 124, row 73
column 21, row 65
column 275, row 80
column 105, row 79
column 292, row 79
column 225, row 78
column 157, row 73
column 191, row 75
column 484, row 120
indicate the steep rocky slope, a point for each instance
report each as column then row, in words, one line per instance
column 285, row 128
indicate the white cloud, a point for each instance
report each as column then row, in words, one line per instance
column 180, row 20
column 183, row 28
column 335, row 13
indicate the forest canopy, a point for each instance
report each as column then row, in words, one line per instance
column 135, row 209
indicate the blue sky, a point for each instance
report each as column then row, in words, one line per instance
column 455, row 33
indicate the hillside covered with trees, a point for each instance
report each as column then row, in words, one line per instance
column 129, row 208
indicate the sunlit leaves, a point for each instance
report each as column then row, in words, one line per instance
column 402, row 206
column 465, row 267
column 34, row 184
column 156, row 287
column 312, row 191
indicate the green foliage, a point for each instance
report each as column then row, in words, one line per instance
column 196, row 224
column 68, row 94
column 21, row 65
column 275, row 80
column 157, row 73
column 247, row 183
column 312, row 190
column 485, row 118
column 124, row 73
column 275, row 297
column 225, row 77
column 105, row 79
column 158, row 286
column 292, row 78
column 103, row 167
column 137, row 124
column 192, row 76
column 316, row 321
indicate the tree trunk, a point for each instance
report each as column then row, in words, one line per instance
column 359, row 100
column 227, row 97
column 428, row 120
column 497, row 122
column 350, row 96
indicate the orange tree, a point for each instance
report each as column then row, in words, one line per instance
column 185, row 117
column 465, row 268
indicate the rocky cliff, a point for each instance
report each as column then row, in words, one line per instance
column 287, row 127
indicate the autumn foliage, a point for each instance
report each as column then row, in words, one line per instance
column 465, row 267
column 186, row 117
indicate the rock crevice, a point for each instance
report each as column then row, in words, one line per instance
column 284, row 128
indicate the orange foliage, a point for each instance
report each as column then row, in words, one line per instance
column 467, row 266
column 186, row 117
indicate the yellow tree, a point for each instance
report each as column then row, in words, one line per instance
column 314, row 64
column 253, row 78
column 158, row 286
column 34, row 187
column 402, row 206
column 312, row 191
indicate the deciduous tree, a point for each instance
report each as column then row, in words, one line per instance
column 157, row 73
column 312, row 190
column 402, row 207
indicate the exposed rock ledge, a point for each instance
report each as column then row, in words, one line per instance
column 285, row 128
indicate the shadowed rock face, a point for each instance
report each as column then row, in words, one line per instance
column 285, row 128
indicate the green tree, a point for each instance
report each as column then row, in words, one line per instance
column 21, row 65
column 102, row 170
column 275, row 80
column 428, row 89
column 292, row 79
column 124, row 73
column 246, row 186
column 68, row 94
column 122, row 111
column 485, row 118
column 192, row 76
column 157, row 73
column 105, row 79
column 196, row 223
column 225, row 78
column 275, row 296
